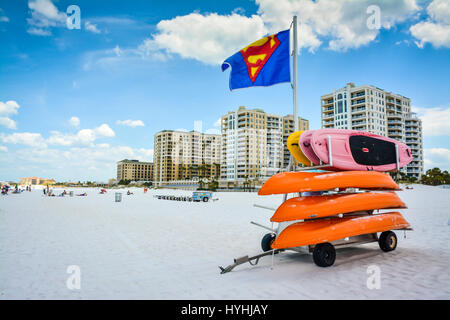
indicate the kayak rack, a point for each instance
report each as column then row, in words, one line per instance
column 349, row 241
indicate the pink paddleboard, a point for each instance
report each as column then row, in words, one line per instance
column 304, row 143
column 359, row 150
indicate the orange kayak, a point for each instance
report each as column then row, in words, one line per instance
column 291, row 182
column 331, row 229
column 301, row 208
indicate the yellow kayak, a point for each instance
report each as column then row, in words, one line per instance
column 294, row 149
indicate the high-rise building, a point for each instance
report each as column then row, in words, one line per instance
column 182, row 155
column 288, row 128
column 375, row 110
column 253, row 144
column 134, row 170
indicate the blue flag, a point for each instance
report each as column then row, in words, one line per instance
column 263, row 63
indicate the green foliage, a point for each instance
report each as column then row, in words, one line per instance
column 210, row 186
column 124, row 182
column 404, row 178
column 436, row 177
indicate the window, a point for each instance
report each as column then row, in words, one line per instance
column 339, row 96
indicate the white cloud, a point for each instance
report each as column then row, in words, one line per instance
column 437, row 157
column 434, row 33
column 131, row 123
column 8, row 123
column 435, row 121
column 436, row 29
column 44, row 15
column 74, row 122
column 218, row 123
column 3, row 18
column 208, row 38
column 25, row 138
column 3, row 148
column 6, row 110
column 39, row 32
column 91, row 27
column 104, row 131
column 439, row 10
column 84, row 137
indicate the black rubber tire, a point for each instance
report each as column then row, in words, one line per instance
column 190, row 199
column 266, row 242
column 387, row 241
column 205, row 199
column 324, row 254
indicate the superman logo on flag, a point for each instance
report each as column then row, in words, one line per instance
column 263, row 63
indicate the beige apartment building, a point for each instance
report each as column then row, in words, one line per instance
column 134, row 170
column 288, row 128
column 33, row 181
column 180, row 156
column 375, row 110
column 253, row 145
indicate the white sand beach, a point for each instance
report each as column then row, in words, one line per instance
column 144, row 248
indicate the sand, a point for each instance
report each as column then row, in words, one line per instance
column 144, row 248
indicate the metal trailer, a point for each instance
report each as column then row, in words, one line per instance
column 324, row 254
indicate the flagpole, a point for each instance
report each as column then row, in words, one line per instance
column 292, row 162
column 294, row 74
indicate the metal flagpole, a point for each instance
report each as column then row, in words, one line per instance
column 294, row 88
column 294, row 74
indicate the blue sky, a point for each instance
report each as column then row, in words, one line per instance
column 73, row 102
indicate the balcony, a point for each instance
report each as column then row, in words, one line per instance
column 360, row 101
column 393, row 127
column 393, row 121
column 358, row 94
column 357, row 123
column 358, row 110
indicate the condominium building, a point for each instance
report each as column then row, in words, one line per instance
column 375, row 110
column 253, row 144
column 134, row 170
column 288, row 128
column 182, row 155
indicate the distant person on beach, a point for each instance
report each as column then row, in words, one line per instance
column 128, row 192
column 48, row 190
column 82, row 194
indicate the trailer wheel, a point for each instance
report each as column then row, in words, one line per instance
column 190, row 199
column 324, row 254
column 205, row 199
column 266, row 242
column 387, row 241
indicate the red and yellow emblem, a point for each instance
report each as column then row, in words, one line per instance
column 256, row 54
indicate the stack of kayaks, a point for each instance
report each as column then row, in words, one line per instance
column 346, row 198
